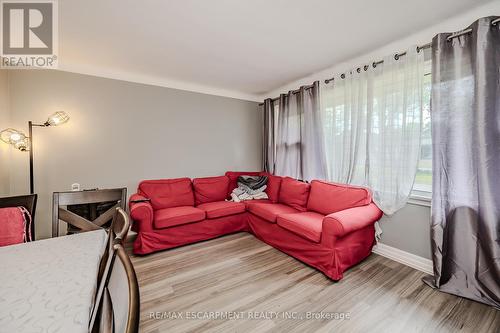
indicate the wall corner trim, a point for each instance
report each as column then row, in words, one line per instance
column 405, row 258
column 157, row 81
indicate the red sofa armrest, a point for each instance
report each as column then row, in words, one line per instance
column 343, row 222
column 141, row 213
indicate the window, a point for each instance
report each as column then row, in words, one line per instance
column 288, row 140
column 423, row 180
column 371, row 119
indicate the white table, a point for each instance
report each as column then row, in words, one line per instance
column 49, row 285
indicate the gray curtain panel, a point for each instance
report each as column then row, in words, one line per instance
column 465, row 113
column 300, row 149
column 268, row 141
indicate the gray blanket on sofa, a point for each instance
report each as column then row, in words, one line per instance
column 250, row 188
column 252, row 182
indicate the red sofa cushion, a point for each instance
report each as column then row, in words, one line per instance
column 169, row 217
column 233, row 178
column 306, row 224
column 167, row 193
column 210, row 189
column 248, row 203
column 294, row 193
column 346, row 221
column 269, row 211
column 327, row 198
column 12, row 226
column 273, row 186
column 222, row 208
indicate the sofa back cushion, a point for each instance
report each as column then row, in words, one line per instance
column 327, row 198
column 273, row 186
column 210, row 189
column 168, row 193
column 233, row 178
column 294, row 193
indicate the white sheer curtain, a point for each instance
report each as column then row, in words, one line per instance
column 288, row 138
column 372, row 121
column 299, row 139
column 344, row 106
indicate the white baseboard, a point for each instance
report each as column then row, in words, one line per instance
column 406, row 258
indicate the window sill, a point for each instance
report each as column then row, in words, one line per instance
column 420, row 200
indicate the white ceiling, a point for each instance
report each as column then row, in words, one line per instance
column 246, row 47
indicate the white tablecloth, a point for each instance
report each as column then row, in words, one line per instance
column 49, row 285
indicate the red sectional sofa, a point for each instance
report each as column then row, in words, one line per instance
column 326, row 225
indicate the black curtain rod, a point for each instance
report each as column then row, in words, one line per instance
column 419, row 48
column 375, row 63
column 396, row 56
column 292, row 92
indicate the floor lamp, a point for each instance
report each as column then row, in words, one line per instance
column 25, row 143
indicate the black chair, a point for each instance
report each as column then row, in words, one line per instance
column 26, row 201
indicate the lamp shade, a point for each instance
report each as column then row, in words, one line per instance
column 22, row 145
column 12, row 136
column 57, row 118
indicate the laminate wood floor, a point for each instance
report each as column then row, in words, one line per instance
column 265, row 290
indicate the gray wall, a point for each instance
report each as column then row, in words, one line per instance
column 121, row 133
column 4, row 123
column 408, row 230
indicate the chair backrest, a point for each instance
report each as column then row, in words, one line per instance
column 117, row 234
column 119, row 226
column 26, row 201
column 60, row 199
column 118, row 309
